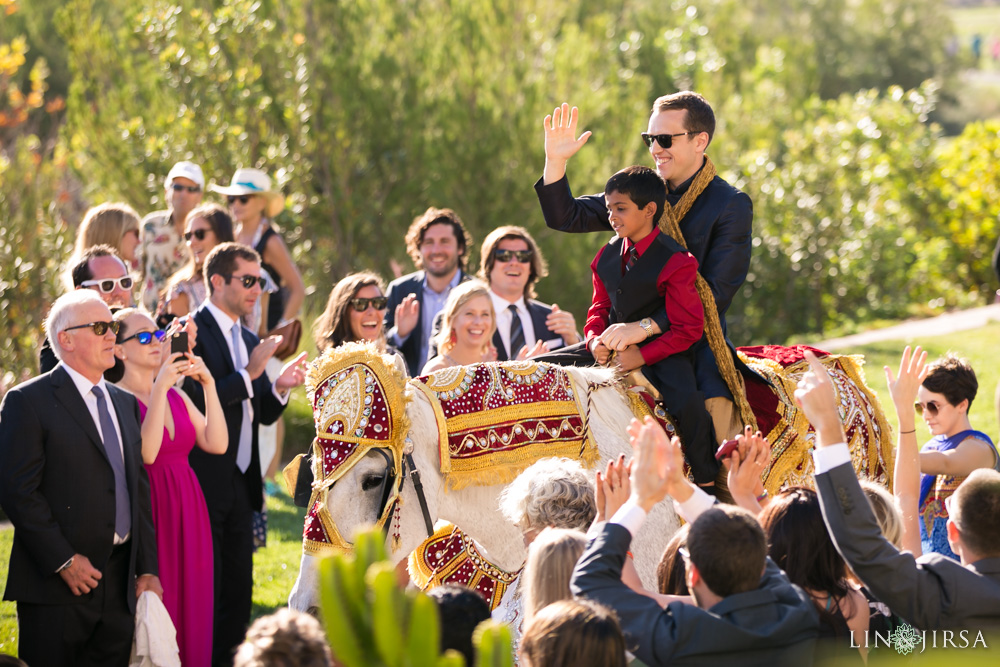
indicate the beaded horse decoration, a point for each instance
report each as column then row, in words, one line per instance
column 494, row 420
column 358, row 405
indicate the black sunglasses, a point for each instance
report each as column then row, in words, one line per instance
column 196, row 233
column 243, row 198
column 931, row 407
column 665, row 140
column 107, row 285
column 248, row 281
column 99, row 328
column 177, row 187
column 523, row 256
column 145, row 337
column 361, row 305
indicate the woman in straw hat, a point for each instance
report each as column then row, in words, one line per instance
column 253, row 203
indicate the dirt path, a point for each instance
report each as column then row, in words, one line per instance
column 934, row 326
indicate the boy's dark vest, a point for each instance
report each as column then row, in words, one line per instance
column 635, row 295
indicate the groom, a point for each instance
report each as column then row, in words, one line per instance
column 714, row 217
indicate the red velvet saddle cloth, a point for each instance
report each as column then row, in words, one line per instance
column 785, row 425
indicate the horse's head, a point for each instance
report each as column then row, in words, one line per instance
column 359, row 412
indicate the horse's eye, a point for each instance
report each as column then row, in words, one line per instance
column 370, row 482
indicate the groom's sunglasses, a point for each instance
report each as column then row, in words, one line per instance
column 665, row 140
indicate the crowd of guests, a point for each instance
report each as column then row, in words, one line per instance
column 135, row 464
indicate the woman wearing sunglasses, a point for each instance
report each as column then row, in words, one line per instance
column 942, row 393
column 171, row 427
column 206, row 227
column 355, row 311
column 467, row 330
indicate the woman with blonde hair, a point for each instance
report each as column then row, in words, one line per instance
column 568, row 633
column 551, row 559
column 467, row 330
column 114, row 224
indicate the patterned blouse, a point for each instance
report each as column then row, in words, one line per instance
column 163, row 253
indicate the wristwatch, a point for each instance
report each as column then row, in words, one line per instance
column 647, row 326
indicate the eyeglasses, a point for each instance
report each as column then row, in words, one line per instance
column 177, row 187
column 377, row 302
column 145, row 337
column 248, row 281
column 523, row 256
column 196, row 233
column 932, row 408
column 107, row 285
column 99, row 328
column 242, row 198
column 665, row 140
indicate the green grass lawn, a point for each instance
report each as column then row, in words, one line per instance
column 275, row 566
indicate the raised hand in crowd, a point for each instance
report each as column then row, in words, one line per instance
column 407, row 315
column 612, row 488
column 817, row 398
column 658, row 466
column 293, row 373
column 745, row 466
column 903, row 388
column 561, row 142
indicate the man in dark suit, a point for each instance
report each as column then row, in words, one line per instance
column 73, row 484
column 231, row 482
column 511, row 263
column 930, row 592
column 438, row 243
column 747, row 612
column 717, row 228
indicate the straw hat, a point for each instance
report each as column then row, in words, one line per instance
column 254, row 182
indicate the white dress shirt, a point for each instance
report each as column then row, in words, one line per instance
column 504, row 319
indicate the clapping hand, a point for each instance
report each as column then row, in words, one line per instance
column 407, row 315
column 658, row 466
column 612, row 488
column 527, row 353
column 746, row 464
column 563, row 323
column 293, row 373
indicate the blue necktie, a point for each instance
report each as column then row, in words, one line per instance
column 246, row 437
column 123, row 514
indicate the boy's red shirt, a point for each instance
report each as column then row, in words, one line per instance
column 676, row 284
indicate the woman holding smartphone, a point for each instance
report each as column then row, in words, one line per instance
column 171, row 427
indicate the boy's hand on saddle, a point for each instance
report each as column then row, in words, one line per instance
column 620, row 336
column 629, row 359
column 600, row 351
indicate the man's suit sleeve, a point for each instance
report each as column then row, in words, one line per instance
column 22, row 461
column 650, row 631
column 565, row 214
column 727, row 262
column 919, row 594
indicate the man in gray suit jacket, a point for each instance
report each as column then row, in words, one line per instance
column 930, row 592
column 747, row 612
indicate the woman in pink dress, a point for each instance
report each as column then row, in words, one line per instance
column 171, row 427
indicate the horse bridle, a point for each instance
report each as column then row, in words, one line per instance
column 388, row 480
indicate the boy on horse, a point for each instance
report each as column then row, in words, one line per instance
column 638, row 273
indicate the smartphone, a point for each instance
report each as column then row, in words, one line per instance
column 725, row 449
column 179, row 342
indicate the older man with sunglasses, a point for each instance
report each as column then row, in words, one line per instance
column 73, row 485
column 714, row 217
column 163, row 248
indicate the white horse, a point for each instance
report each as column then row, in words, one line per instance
column 355, row 500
